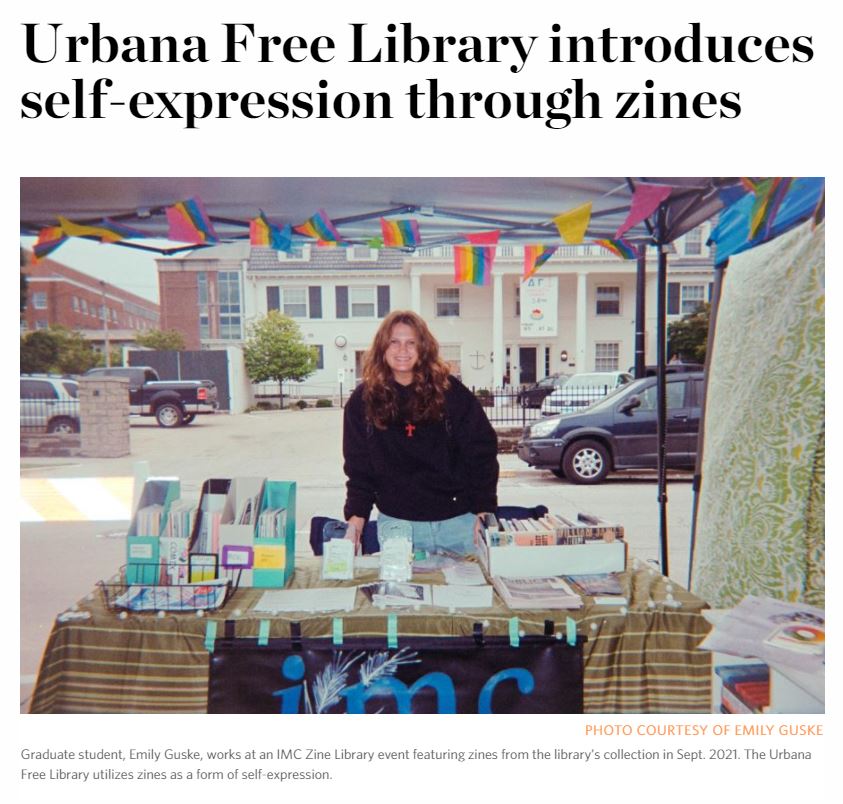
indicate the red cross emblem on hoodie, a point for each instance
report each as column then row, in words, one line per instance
column 409, row 428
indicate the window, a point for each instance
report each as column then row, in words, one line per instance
column 39, row 300
column 675, row 396
column 361, row 254
column 37, row 389
column 41, row 323
column 692, row 297
column 608, row 300
column 518, row 301
column 693, row 241
column 293, row 302
column 75, row 304
column 452, row 355
column 361, row 302
column 23, row 325
column 228, row 287
column 606, row 356
column 299, row 252
column 114, row 316
column 204, row 318
column 320, row 356
column 447, row 302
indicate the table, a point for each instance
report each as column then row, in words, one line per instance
column 643, row 659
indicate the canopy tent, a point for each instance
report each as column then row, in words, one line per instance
column 448, row 209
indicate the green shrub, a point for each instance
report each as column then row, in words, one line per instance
column 324, row 403
column 301, row 404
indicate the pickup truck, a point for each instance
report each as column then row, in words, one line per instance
column 173, row 403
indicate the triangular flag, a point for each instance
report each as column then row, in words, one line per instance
column 107, row 231
column 645, row 200
column 189, row 223
column 400, row 233
column 320, row 227
column 264, row 233
column 473, row 264
column 620, row 248
column 49, row 239
column 572, row 225
column 769, row 194
column 534, row 257
column 484, row 238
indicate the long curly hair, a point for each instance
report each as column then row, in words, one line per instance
column 430, row 375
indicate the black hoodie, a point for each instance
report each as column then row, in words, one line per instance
column 421, row 471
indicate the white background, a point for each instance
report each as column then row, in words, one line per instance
column 789, row 125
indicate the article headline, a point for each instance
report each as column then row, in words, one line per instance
column 403, row 43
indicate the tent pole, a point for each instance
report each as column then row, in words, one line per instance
column 661, row 386
column 640, row 311
column 719, row 276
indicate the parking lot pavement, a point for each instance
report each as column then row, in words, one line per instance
column 304, row 446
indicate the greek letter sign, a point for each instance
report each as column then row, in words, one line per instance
column 543, row 675
column 539, row 307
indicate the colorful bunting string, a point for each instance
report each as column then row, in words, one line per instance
column 400, row 233
column 189, row 223
column 320, row 227
column 620, row 248
column 645, row 200
column 572, row 225
column 264, row 233
column 534, row 257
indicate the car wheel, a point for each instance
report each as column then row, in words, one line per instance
column 63, row 425
column 169, row 415
column 188, row 418
column 586, row 462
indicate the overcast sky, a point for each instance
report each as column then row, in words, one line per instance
column 126, row 268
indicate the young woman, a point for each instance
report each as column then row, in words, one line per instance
column 417, row 443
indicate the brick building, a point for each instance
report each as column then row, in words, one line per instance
column 60, row 295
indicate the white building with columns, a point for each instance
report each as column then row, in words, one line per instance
column 579, row 311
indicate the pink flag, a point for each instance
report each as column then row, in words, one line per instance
column 484, row 238
column 645, row 200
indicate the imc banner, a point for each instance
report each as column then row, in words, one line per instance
column 425, row 675
column 539, row 306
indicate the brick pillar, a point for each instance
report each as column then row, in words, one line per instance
column 104, row 416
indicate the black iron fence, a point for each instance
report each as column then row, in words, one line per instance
column 40, row 415
column 521, row 406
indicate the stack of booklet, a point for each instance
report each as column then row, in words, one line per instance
column 536, row 593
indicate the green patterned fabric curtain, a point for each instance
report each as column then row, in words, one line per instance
column 761, row 527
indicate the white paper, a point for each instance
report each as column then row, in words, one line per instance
column 338, row 559
column 331, row 598
column 464, row 573
column 455, row 596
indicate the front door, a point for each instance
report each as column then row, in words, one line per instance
column 527, row 364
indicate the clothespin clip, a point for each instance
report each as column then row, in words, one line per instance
column 548, row 628
column 210, row 635
column 478, row 634
column 337, row 631
column 392, row 631
column 514, row 635
column 295, row 635
column 263, row 633
column 571, row 630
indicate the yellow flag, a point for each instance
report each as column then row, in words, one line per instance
column 572, row 225
column 72, row 229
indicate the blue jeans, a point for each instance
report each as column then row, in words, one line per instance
column 455, row 535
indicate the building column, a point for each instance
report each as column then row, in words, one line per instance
column 499, row 364
column 415, row 293
column 581, row 319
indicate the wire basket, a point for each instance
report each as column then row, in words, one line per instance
column 170, row 592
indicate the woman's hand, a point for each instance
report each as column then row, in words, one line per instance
column 478, row 528
column 355, row 530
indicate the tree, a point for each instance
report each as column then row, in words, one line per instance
column 275, row 350
column 688, row 338
column 162, row 340
column 56, row 350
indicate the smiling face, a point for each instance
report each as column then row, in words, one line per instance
column 402, row 353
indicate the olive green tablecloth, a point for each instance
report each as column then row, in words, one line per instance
column 641, row 659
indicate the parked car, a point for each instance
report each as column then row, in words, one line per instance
column 581, row 390
column 49, row 404
column 172, row 402
column 618, row 432
column 673, row 368
column 532, row 396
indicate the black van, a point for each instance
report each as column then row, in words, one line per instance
column 618, row 432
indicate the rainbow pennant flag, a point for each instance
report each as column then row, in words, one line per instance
column 320, row 227
column 769, row 195
column 400, row 233
column 189, row 223
column 534, row 257
column 108, row 231
column 620, row 248
column 473, row 264
column 264, row 233
column 49, row 239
